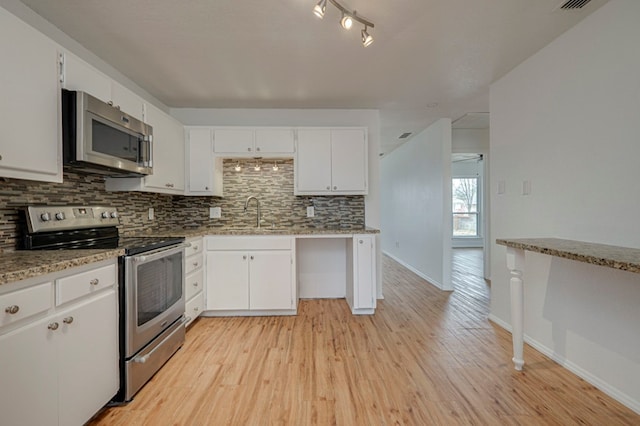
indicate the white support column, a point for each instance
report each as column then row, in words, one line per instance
column 515, row 263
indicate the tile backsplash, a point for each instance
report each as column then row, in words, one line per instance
column 280, row 208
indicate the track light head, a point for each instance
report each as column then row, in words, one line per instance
column 366, row 37
column 320, row 8
column 346, row 21
column 237, row 168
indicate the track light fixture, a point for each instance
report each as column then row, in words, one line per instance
column 348, row 17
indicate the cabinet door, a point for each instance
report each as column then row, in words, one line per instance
column 365, row 272
column 233, row 141
column 274, row 141
column 79, row 75
column 88, row 357
column 270, row 280
column 128, row 101
column 348, row 160
column 29, row 376
column 313, row 161
column 30, row 146
column 168, row 152
column 227, row 280
column 204, row 172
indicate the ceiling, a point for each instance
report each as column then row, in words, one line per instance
column 431, row 59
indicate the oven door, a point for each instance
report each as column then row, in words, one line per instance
column 154, row 295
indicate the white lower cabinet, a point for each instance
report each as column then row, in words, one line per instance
column 194, row 279
column 59, row 365
column 361, row 293
column 251, row 276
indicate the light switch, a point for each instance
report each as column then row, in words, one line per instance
column 151, row 213
column 501, row 187
column 311, row 212
column 526, row 187
column 215, row 212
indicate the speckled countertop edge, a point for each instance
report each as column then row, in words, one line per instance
column 21, row 265
column 623, row 258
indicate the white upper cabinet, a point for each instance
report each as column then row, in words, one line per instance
column 331, row 162
column 78, row 75
column 253, row 142
column 203, row 172
column 30, row 135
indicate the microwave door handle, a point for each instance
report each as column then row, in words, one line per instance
column 149, row 151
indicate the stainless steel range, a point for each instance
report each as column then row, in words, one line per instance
column 151, row 284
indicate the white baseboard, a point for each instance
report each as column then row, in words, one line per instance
column 605, row 387
column 431, row 281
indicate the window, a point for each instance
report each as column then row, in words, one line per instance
column 465, row 207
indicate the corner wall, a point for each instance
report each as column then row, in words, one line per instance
column 416, row 213
column 568, row 121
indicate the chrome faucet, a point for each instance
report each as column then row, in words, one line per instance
column 246, row 204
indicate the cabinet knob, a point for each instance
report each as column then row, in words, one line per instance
column 195, row 248
column 94, row 281
column 249, row 149
column 258, row 149
column 195, row 284
column 168, row 185
column 53, row 326
column 0, row 157
column 13, row 309
column 195, row 263
column 196, row 309
column 328, row 188
column 251, row 257
column 244, row 257
column 335, row 187
column 360, row 241
column 68, row 320
column 206, row 188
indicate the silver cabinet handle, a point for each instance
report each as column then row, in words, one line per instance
column 168, row 185
column 13, row 309
column 141, row 359
column 68, row 320
column 53, row 326
column 94, row 281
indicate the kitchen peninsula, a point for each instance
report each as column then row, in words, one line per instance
column 622, row 258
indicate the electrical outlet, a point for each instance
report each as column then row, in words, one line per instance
column 152, row 213
column 311, row 211
column 215, row 212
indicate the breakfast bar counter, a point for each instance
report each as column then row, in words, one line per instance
column 615, row 257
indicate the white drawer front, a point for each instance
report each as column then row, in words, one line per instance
column 75, row 286
column 193, row 262
column 194, row 308
column 193, row 284
column 20, row 304
column 249, row 243
column 195, row 247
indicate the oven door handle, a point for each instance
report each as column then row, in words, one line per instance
column 159, row 253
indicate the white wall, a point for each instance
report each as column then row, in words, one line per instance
column 416, row 211
column 305, row 117
column 568, row 120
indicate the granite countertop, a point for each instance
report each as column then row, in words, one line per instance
column 23, row 264
column 623, row 258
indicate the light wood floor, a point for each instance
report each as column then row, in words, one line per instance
column 425, row 358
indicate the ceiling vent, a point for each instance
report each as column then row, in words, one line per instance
column 405, row 135
column 573, row 4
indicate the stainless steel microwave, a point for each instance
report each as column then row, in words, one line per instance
column 99, row 138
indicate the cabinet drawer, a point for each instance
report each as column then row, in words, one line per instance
column 75, row 286
column 249, row 243
column 193, row 284
column 193, row 262
column 194, row 248
column 24, row 303
column 194, row 308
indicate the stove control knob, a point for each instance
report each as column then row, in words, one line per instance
column 114, row 214
column 45, row 217
column 59, row 216
column 105, row 215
